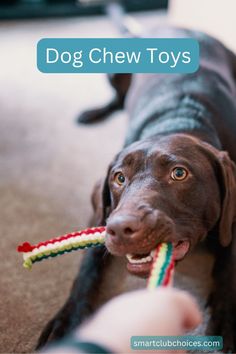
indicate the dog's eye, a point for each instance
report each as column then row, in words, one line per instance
column 119, row 178
column 179, row 174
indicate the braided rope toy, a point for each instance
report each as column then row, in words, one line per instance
column 162, row 267
column 163, row 260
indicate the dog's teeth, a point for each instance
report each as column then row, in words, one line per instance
column 149, row 258
column 129, row 256
column 138, row 261
column 132, row 259
column 152, row 253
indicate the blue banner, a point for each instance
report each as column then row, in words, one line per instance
column 195, row 343
column 117, row 55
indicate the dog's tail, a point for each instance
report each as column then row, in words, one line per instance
column 128, row 27
column 126, row 24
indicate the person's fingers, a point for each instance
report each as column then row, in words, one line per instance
column 167, row 311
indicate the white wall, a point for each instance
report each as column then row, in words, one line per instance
column 216, row 17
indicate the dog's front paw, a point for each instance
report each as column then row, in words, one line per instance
column 223, row 322
column 55, row 329
column 65, row 321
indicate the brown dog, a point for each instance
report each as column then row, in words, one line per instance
column 175, row 180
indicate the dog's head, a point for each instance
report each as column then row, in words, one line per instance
column 174, row 188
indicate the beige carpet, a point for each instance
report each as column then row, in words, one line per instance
column 48, row 166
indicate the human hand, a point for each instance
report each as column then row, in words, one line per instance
column 164, row 311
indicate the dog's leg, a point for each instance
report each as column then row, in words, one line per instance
column 120, row 82
column 223, row 297
column 81, row 302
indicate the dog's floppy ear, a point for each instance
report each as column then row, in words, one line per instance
column 228, row 208
column 225, row 170
column 101, row 201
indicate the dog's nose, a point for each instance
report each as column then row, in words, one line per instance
column 123, row 226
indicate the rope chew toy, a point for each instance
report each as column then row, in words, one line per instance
column 163, row 266
column 163, row 260
column 63, row 244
